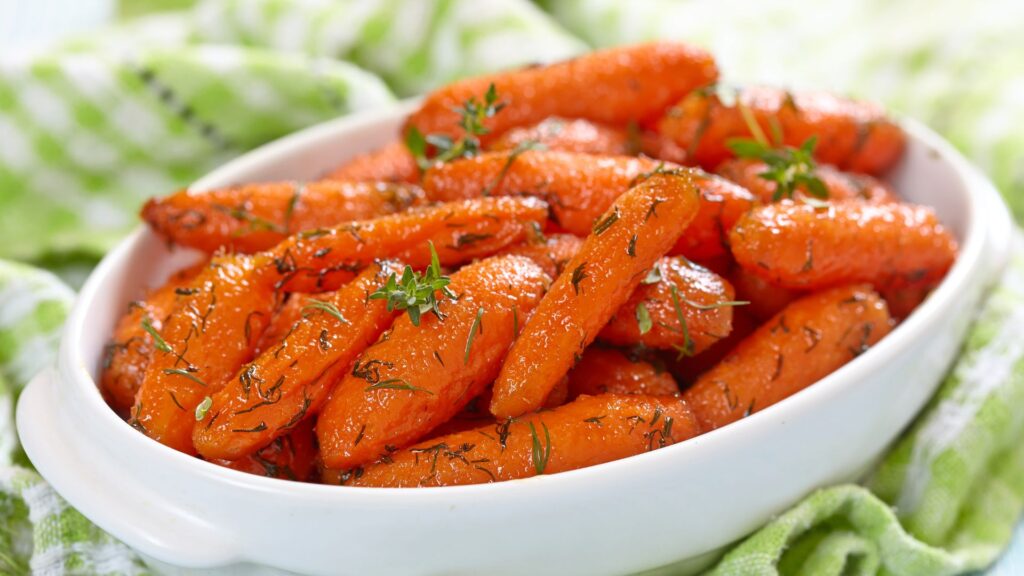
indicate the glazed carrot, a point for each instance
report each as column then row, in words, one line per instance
column 288, row 383
column 551, row 253
column 391, row 163
column 620, row 85
column 579, row 187
column 460, row 231
column 853, row 135
column 903, row 300
column 567, row 135
column 216, row 323
column 808, row 340
column 797, row 245
column 688, row 308
column 766, row 299
column 585, row 432
column 687, row 369
column 404, row 386
column 282, row 321
column 257, row 216
column 840, row 185
column 289, row 457
column 638, row 229
column 131, row 347
column 660, row 147
column 606, row 370
column 721, row 205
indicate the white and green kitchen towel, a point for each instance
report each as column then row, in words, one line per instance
column 92, row 127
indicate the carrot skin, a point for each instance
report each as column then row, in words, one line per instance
column 801, row 246
column 588, row 431
column 418, row 377
column 390, row 163
column 721, row 205
column 569, row 135
column 639, row 228
column 551, row 253
column 609, row 371
column 808, row 340
column 289, row 457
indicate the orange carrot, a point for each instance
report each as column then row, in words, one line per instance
column 853, row 135
column 638, row 229
column 288, row 383
column 585, row 432
column 131, row 347
column 797, row 245
column 289, row 457
column 679, row 305
column 391, row 163
column 633, row 83
column 551, row 253
column 606, row 370
column 840, row 185
column 566, row 135
column 903, row 300
column 721, row 205
column 687, row 369
column 284, row 318
column 766, row 299
column 406, row 385
column 808, row 340
column 257, row 216
column 579, row 187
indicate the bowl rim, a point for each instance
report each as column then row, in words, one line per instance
column 981, row 200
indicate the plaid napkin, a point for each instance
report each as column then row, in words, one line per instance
column 108, row 120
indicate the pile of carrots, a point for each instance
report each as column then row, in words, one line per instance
column 550, row 268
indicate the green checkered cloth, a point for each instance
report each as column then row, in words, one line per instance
column 90, row 129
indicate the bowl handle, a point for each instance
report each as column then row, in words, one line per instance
column 87, row 478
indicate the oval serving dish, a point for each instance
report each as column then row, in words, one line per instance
column 674, row 507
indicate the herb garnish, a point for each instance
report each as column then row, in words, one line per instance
column 158, row 341
column 472, row 116
column 185, row 373
column 714, row 305
column 203, row 408
column 396, row 384
column 605, row 223
column 789, row 168
column 476, row 328
column 686, row 349
column 416, row 293
column 643, row 318
column 579, row 274
column 541, row 454
column 324, row 306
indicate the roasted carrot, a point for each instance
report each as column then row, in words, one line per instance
column 606, row 370
column 289, row 457
column 391, row 163
column 579, row 187
column 679, row 305
column 840, row 185
column 633, row 83
column 255, row 217
column 687, row 369
column 797, row 245
column 638, row 229
column 766, row 299
column 289, row 383
column 721, row 205
column 588, row 431
column 127, row 355
column 852, row 135
column 809, row 339
column 551, row 253
column 420, row 376
column 282, row 321
column 903, row 300
column 567, row 135
column 214, row 328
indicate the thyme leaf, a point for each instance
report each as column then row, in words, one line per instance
column 203, row 408
column 789, row 168
column 541, row 453
column 158, row 341
column 476, row 328
column 396, row 384
column 643, row 318
column 324, row 306
column 416, row 293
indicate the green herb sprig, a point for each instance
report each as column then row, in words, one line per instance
column 416, row 293
column 789, row 168
column 472, row 115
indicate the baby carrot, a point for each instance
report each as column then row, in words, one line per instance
column 797, row 245
column 282, row 321
column 840, row 185
column 852, row 135
column 606, row 370
column 808, row 340
column 131, row 347
column 391, row 163
column 579, row 187
column 255, row 217
column 588, row 431
column 766, row 299
column 288, row 383
column 567, row 135
column 721, row 205
column 289, row 457
column 686, row 369
column 679, row 305
column 633, row 83
column 551, row 253
column 638, row 229
column 418, row 377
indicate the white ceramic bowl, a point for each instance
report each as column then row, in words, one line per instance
column 680, row 504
